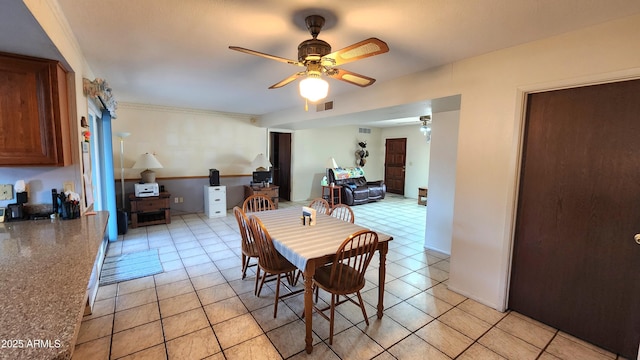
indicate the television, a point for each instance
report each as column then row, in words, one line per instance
column 261, row 177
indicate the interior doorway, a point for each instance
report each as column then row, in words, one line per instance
column 575, row 261
column 280, row 157
column 395, row 157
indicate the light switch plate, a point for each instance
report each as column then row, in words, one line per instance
column 69, row 186
column 6, row 192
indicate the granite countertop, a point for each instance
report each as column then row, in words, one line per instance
column 45, row 266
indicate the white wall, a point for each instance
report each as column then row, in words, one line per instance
column 491, row 88
column 442, row 183
column 312, row 148
column 187, row 142
column 418, row 156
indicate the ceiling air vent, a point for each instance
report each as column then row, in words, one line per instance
column 364, row 131
column 324, row 106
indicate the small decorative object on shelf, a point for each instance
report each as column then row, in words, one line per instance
column 83, row 122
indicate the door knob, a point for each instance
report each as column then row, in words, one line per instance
column 636, row 237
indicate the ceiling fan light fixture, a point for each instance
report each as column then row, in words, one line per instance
column 314, row 88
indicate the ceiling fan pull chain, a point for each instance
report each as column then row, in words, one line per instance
column 306, row 104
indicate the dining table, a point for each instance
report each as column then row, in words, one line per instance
column 309, row 247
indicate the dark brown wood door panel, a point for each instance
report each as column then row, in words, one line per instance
column 575, row 263
column 394, row 165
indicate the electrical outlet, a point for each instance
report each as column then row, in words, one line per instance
column 175, row 200
column 6, row 192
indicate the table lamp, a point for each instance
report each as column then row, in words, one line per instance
column 147, row 161
column 261, row 163
column 331, row 163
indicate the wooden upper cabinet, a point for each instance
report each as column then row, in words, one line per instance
column 34, row 112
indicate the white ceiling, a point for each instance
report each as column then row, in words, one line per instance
column 175, row 53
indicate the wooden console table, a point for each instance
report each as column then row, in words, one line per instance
column 150, row 210
column 271, row 191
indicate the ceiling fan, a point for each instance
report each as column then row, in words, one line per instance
column 316, row 57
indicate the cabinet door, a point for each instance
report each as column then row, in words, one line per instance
column 33, row 130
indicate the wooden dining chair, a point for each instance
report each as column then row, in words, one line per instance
column 249, row 248
column 257, row 202
column 343, row 212
column 271, row 262
column 346, row 274
column 321, row 206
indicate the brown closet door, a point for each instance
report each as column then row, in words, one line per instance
column 575, row 264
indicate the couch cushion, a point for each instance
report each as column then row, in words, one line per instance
column 361, row 193
column 375, row 192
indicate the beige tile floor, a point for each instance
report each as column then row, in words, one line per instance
column 200, row 308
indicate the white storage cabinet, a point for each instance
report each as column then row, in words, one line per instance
column 215, row 201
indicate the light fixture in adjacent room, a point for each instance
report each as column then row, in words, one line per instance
column 261, row 163
column 426, row 126
column 313, row 87
column 147, row 161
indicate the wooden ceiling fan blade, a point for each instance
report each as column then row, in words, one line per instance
column 357, row 51
column 352, row 78
column 287, row 80
column 272, row 57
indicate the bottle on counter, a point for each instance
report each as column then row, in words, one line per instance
column 54, row 198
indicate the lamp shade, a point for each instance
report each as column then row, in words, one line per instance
column 122, row 134
column 261, row 162
column 331, row 163
column 147, row 161
column 313, row 88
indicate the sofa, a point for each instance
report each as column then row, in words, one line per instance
column 356, row 189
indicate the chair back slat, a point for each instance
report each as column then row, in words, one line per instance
column 343, row 212
column 257, row 202
column 352, row 258
column 321, row 206
column 268, row 256
column 248, row 243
